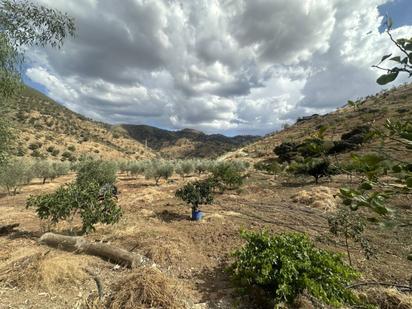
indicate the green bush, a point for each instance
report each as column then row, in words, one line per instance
column 286, row 151
column 227, row 175
column 158, row 169
column 14, row 174
column 99, row 171
column 287, row 265
column 71, row 148
column 271, row 167
column 185, row 167
column 316, row 168
column 74, row 199
column 196, row 193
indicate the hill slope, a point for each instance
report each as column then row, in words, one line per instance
column 46, row 129
column 186, row 142
column 395, row 104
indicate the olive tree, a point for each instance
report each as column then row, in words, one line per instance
column 14, row 175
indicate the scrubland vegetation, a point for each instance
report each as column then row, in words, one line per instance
column 264, row 242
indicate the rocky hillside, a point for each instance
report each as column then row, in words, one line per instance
column 373, row 110
column 187, row 142
column 45, row 129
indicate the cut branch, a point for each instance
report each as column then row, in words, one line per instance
column 397, row 286
column 107, row 252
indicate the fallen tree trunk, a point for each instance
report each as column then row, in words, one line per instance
column 102, row 250
column 8, row 228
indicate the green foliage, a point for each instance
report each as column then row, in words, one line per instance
column 196, row 193
column 287, row 265
column 14, row 174
column 98, row 171
column 74, row 199
column 159, row 169
column 71, row 148
column 185, row 167
column 349, row 225
column 23, row 24
column 287, row 151
column 228, row 175
column 27, row 24
column 271, row 167
column 6, row 138
column 403, row 62
column 315, row 167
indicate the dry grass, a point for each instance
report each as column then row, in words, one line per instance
column 44, row 270
column 147, row 288
column 388, row 298
column 319, row 197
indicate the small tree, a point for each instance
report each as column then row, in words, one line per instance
column 196, row 193
column 159, row 169
column 83, row 197
column 14, row 174
column 67, row 202
column 316, row 168
column 43, row 169
column 184, row 168
column 347, row 224
column 227, row 175
column 99, row 171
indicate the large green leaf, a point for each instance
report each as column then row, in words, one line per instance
column 385, row 57
column 397, row 59
column 387, row 78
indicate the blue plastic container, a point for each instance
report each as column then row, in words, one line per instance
column 197, row 215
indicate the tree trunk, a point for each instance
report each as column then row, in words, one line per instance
column 102, row 250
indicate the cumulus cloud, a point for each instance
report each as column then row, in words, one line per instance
column 219, row 66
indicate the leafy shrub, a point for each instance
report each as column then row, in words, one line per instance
column 34, row 146
column 287, row 265
column 99, row 171
column 227, row 175
column 135, row 167
column 357, row 136
column 184, row 168
column 14, row 174
column 286, row 151
column 71, row 148
column 202, row 166
column 270, row 166
column 196, row 193
column 345, row 223
column 83, row 199
column 316, row 167
column 159, row 169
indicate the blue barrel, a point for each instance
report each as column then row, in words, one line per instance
column 197, row 215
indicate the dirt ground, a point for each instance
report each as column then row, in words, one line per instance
column 195, row 254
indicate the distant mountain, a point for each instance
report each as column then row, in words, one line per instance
column 186, row 143
column 46, row 129
column 395, row 104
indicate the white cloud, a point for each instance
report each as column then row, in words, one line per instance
column 221, row 66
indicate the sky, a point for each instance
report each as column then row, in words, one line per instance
column 228, row 66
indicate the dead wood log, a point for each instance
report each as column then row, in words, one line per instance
column 8, row 228
column 105, row 251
